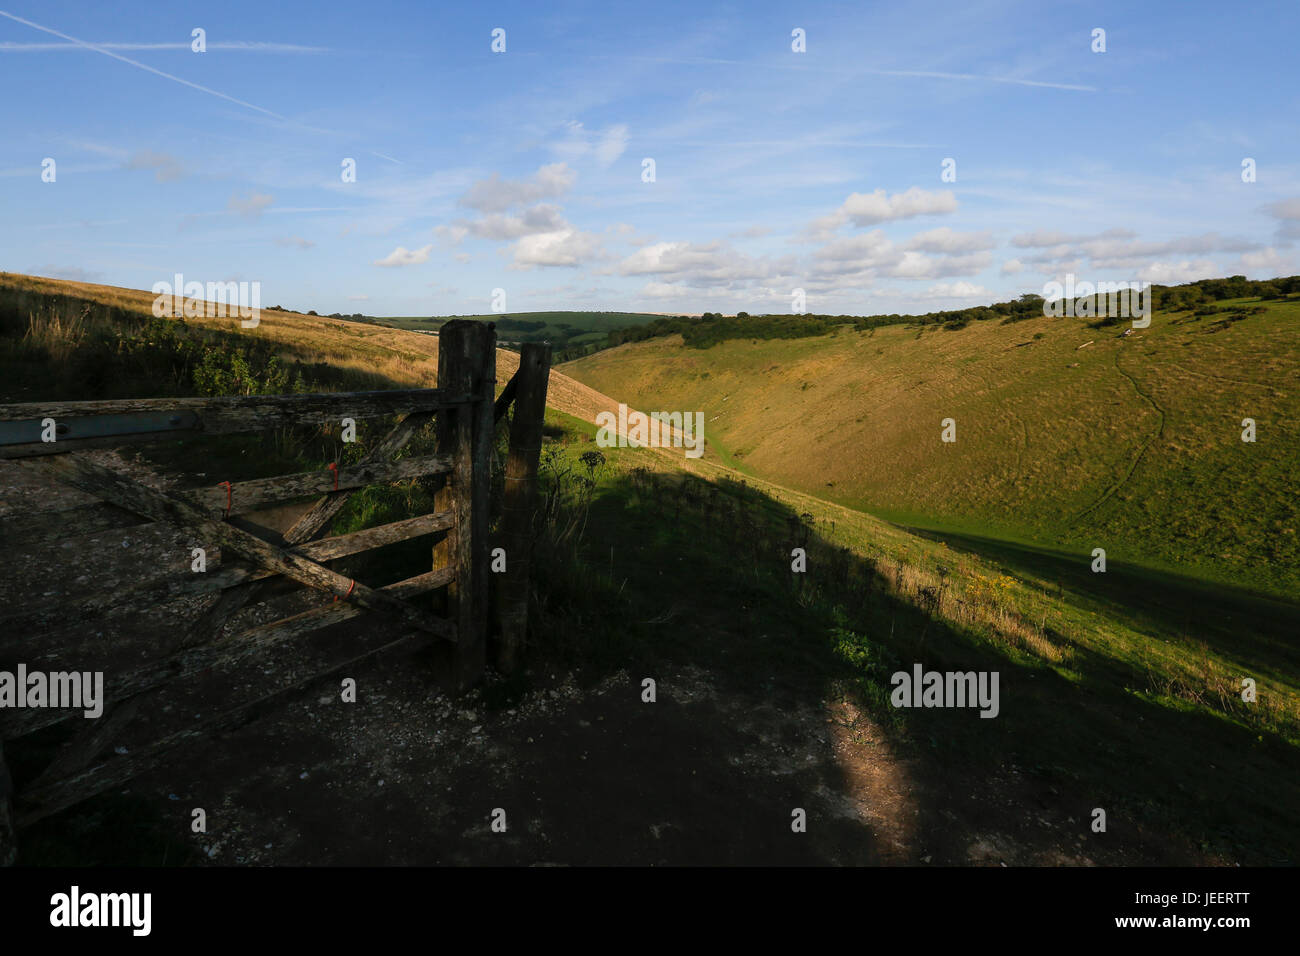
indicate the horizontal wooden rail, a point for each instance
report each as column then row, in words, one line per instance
column 245, row 496
column 94, row 424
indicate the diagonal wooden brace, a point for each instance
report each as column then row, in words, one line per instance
column 126, row 492
column 304, row 529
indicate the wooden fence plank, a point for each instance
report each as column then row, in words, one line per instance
column 467, row 363
column 320, row 617
column 215, row 416
column 519, row 501
column 128, row 493
column 245, row 496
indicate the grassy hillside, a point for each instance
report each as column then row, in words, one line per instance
column 1132, row 444
column 54, row 334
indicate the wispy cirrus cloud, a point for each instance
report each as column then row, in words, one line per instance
column 238, row 46
column 166, row 168
column 137, row 64
column 250, row 206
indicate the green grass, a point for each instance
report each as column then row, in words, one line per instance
column 1130, row 444
column 1120, row 689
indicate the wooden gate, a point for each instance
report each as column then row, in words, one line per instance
column 463, row 412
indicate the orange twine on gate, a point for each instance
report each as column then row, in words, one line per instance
column 334, row 467
column 229, row 494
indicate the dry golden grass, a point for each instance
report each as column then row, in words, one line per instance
column 1132, row 443
column 387, row 357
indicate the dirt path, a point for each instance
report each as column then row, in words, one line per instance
column 596, row 776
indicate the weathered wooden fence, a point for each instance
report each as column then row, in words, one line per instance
column 464, row 413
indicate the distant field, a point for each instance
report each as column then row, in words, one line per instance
column 564, row 330
column 1132, row 444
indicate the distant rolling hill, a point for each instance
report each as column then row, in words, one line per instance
column 1131, row 443
column 564, row 330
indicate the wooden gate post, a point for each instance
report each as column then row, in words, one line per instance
column 467, row 364
column 519, row 500
column 8, row 839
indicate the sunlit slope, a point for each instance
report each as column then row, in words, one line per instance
column 391, row 357
column 1131, row 443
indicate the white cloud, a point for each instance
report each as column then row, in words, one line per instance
column 565, row 247
column 1012, row 267
column 612, row 144
column 402, row 256
column 874, row 255
column 707, row 265
column 868, row 209
column 1172, row 273
column 297, row 242
column 1287, row 213
column 497, row 195
column 1042, row 238
column 1265, row 263
column 578, row 142
column 957, row 290
column 949, row 242
column 536, row 219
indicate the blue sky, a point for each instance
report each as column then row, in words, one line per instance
column 523, row 170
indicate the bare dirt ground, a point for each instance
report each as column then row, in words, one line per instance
column 408, row 776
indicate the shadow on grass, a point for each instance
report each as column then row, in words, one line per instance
column 699, row 573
